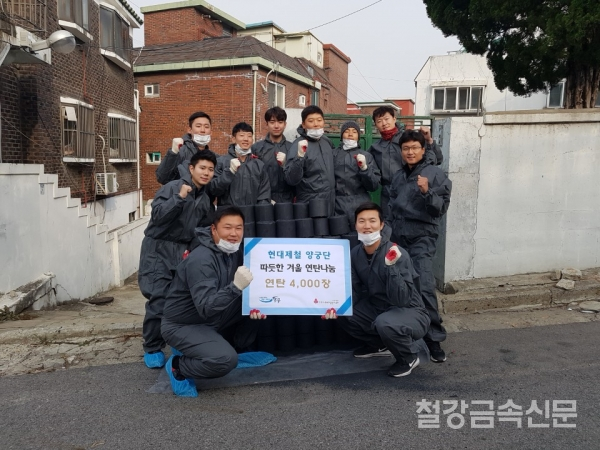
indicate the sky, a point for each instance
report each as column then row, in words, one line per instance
column 388, row 42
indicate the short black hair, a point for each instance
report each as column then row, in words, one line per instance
column 412, row 136
column 275, row 113
column 311, row 109
column 203, row 155
column 382, row 111
column 197, row 115
column 242, row 126
column 223, row 211
column 368, row 206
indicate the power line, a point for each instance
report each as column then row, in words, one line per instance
column 343, row 17
column 366, row 81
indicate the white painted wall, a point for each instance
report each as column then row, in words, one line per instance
column 465, row 69
column 114, row 211
column 42, row 229
column 301, row 46
column 525, row 194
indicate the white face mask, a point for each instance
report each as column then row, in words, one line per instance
column 370, row 238
column 349, row 143
column 202, row 139
column 315, row 133
column 228, row 247
column 240, row 151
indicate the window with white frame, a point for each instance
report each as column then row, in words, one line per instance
column 302, row 100
column 77, row 131
column 114, row 33
column 457, row 98
column 276, row 94
column 556, row 96
column 597, row 104
column 151, row 90
column 314, row 97
column 121, row 138
column 75, row 11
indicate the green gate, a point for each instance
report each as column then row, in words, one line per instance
column 369, row 134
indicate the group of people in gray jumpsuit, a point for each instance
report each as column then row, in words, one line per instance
column 191, row 268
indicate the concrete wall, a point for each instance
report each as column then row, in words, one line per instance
column 464, row 69
column 525, row 193
column 43, row 229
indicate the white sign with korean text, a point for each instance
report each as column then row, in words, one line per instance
column 298, row 276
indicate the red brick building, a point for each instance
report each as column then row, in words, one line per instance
column 220, row 67
column 73, row 112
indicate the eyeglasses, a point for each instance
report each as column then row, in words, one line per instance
column 414, row 148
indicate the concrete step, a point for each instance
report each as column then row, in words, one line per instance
column 518, row 291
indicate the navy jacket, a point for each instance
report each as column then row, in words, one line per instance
column 203, row 288
column 168, row 168
column 248, row 186
column 266, row 150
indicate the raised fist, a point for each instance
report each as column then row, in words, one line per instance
column 176, row 145
column 302, row 147
column 185, row 190
column 234, row 165
column 392, row 256
column 423, row 184
column 280, row 156
column 361, row 161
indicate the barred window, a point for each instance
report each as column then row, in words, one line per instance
column 121, row 138
column 77, row 130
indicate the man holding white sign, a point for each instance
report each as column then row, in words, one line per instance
column 388, row 312
column 204, row 304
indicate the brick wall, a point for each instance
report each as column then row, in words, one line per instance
column 224, row 94
column 30, row 96
column 336, row 66
column 180, row 25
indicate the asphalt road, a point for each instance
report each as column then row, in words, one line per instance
column 108, row 407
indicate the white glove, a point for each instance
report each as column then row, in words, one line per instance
column 392, row 256
column 177, row 143
column 242, row 278
column 362, row 161
column 302, row 147
column 280, row 156
column 234, row 164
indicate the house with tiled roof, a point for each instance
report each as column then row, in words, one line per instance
column 197, row 57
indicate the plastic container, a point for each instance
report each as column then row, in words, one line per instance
column 248, row 211
column 249, row 230
column 352, row 237
column 286, row 333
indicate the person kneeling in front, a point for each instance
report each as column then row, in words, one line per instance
column 202, row 318
column 388, row 313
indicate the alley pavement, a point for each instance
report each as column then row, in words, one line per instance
column 108, row 407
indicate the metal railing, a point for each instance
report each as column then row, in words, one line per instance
column 28, row 14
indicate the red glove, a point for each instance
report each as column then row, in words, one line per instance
column 392, row 255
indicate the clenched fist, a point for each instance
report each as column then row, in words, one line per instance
column 392, row 256
column 234, row 165
column 242, row 278
column 426, row 131
column 302, row 147
column 423, row 184
column 361, row 161
column 280, row 156
column 176, row 145
column 185, row 190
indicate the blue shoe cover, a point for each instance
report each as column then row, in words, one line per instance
column 154, row 360
column 175, row 352
column 183, row 388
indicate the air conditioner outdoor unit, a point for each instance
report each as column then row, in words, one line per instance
column 106, row 183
